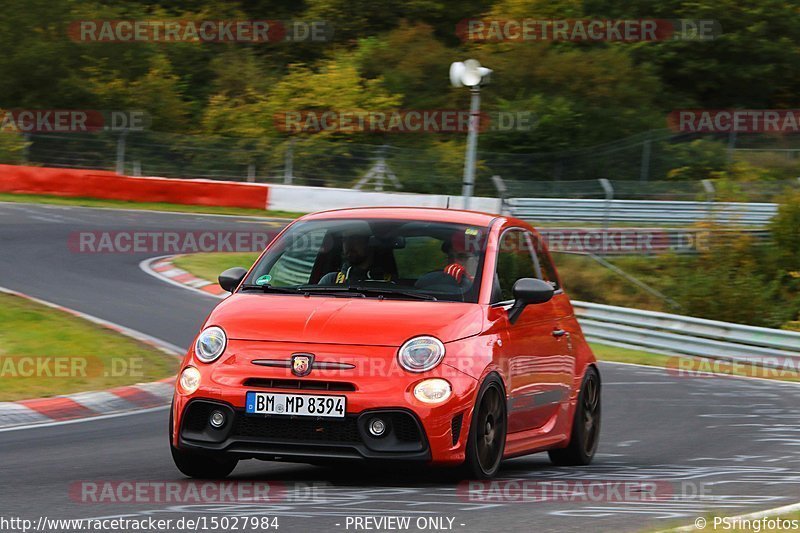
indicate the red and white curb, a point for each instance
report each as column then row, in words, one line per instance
column 91, row 404
column 163, row 269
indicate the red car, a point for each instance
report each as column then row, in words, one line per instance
column 404, row 334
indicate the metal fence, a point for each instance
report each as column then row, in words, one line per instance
column 302, row 161
column 683, row 335
column 655, row 165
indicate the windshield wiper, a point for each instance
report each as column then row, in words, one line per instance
column 408, row 294
column 336, row 289
column 302, row 289
column 270, row 288
column 360, row 289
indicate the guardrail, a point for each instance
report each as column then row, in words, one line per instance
column 641, row 211
column 685, row 335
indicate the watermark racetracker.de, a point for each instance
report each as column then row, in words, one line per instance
column 401, row 121
column 167, row 242
column 72, row 120
column 579, row 490
column 69, row 366
column 257, row 31
column 760, row 367
column 735, row 120
column 586, row 30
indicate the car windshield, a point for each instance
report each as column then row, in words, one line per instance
column 375, row 258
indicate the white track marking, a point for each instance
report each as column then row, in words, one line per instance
column 147, row 269
column 87, row 419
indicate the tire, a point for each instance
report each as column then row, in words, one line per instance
column 585, row 425
column 199, row 466
column 202, row 466
column 486, row 442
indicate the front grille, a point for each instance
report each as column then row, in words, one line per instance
column 405, row 428
column 297, row 429
column 197, row 416
column 299, row 384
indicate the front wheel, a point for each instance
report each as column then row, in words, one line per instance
column 487, row 434
column 202, row 466
column 585, row 425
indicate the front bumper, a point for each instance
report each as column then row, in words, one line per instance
column 303, row 438
column 418, row 431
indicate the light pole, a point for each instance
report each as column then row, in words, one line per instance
column 470, row 73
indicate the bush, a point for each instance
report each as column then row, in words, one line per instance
column 734, row 280
column 785, row 230
column 695, row 160
column 12, row 148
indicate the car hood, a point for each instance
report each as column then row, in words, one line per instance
column 330, row 320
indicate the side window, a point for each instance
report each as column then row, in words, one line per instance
column 547, row 267
column 514, row 261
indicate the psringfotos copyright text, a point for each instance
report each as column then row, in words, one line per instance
column 737, row 523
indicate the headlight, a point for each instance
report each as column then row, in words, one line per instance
column 432, row 390
column 190, row 380
column 210, row 344
column 420, row 354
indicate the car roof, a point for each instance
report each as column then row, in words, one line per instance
column 432, row 214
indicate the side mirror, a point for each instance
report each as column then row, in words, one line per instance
column 529, row 291
column 231, row 278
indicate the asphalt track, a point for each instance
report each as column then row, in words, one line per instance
column 713, row 445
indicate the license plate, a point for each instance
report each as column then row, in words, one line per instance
column 270, row 403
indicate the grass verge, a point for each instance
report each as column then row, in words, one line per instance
column 144, row 206
column 691, row 367
column 47, row 352
column 210, row 265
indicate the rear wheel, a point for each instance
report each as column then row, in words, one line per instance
column 487, row 435
column 585, row 426
column 199, row 466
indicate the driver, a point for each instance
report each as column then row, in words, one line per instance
column 359, row 261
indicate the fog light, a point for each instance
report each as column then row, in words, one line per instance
column 190, row 380
column 217, row 419
column 432, row 390
column 377, row 427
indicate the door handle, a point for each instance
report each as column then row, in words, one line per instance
column 559, row 333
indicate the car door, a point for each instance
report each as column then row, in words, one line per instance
column 536, row 348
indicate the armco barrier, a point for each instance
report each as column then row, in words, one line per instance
column 685, row 335
column 641, row 211
column 110, row 186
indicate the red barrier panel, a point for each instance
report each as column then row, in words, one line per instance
column 110, row 186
